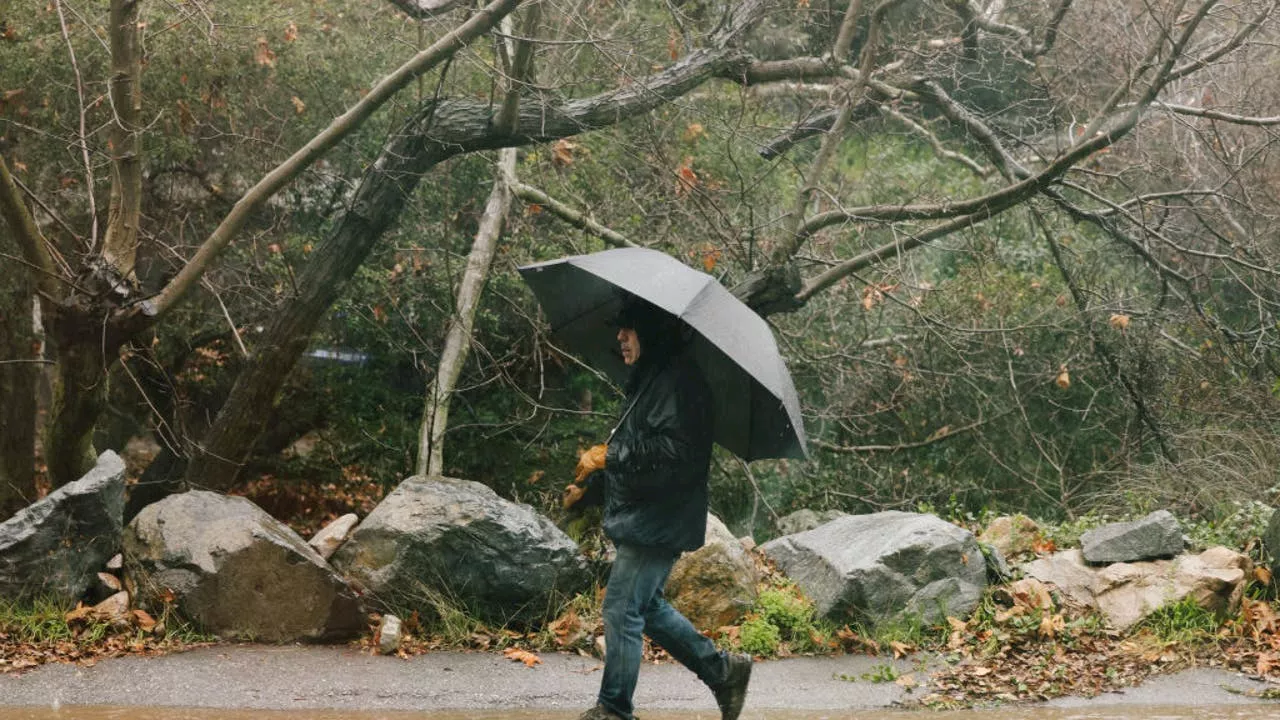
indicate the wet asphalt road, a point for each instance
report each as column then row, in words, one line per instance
column 260, row 677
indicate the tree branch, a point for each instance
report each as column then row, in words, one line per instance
column 521, row 71
column 83, row 132
column 342, row 126
column 942, row 433
column 1219, row 115
column 576, row 218
column 15, row 213
column 939, row 149
column 120, row 243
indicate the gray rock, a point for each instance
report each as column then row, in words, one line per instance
column 236, row 571
column 389, row 634
column 1125, row 593
column 442, row 540
column 55, row 547
column 1154, row 536
column 886, row 565
column 802, row 520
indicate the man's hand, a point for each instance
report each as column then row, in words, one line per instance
column 572, row 494
column 590, row 461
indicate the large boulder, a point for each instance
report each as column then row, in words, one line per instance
column 1125, row 593
column 55, row 547
column 236, row 571
column 715, row 585
column 437, row 539
column 883, row 566
column 1157, row 535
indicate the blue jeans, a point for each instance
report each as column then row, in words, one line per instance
column 633, row 604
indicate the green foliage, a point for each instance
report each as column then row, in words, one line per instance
column 881, row 673
column 1181, row 622
column 1239, row 527
column 787, row 609
column 37, row 621
column 783, row 621
column 759, row 636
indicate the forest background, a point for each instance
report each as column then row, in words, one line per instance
column 1020, row 256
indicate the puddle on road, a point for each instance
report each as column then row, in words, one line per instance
column 1231, row 712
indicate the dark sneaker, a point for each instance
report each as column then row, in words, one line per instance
column 732, row 695
column 599, row 712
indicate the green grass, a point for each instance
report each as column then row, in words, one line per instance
column 1182, row 622
column 36, row 621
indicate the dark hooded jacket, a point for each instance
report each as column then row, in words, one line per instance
column 654, row 485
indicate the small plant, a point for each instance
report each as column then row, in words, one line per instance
column 1183, row 621
column 881, row 674
column 785, row 608
column 758, row 636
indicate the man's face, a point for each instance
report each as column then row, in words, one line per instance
column 630, row 343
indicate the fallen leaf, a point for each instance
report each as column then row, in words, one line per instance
column 291, row 32
column 562, row 153
column 529, row 659
column 1064, row 378
column 298, row 105
column 686, row 178
column 262, row 53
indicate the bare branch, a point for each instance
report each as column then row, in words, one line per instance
column 576, row 218
column 793, row 237
column 84, row 145
column 1225, row 48
column 341, row 127
column 812, row 126
column 1219, row 115
column 521, row 73
column 937, row 436
column 938, row 148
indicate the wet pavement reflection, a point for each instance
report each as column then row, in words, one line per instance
column 1268, row 711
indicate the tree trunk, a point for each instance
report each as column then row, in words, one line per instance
column 19, row 378
column 440, row 130
column 388, row 183
column 435, row 415
column 83, row 352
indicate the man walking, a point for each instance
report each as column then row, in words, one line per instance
column 652, row 481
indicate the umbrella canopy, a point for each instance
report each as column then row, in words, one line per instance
column 757, row 412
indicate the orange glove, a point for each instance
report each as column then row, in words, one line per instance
column 590, row 461
column 572, row 494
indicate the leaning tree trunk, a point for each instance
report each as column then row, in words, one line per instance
column 216, row 462
column 435, row 415
column 19, row 378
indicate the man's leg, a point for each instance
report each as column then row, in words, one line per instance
column 727, row 675
column 682, row 640
column 634, row 582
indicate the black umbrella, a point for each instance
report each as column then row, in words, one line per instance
column 757, row 412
